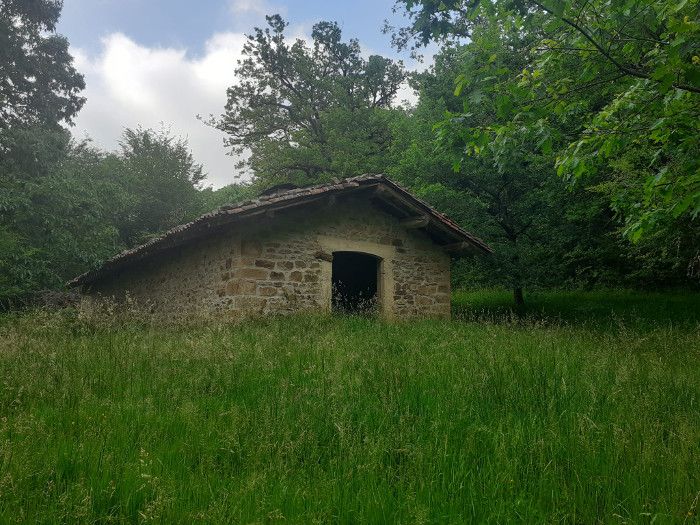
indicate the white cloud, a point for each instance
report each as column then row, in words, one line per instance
column 406, row 94
column 255, row 7
column 130, row 85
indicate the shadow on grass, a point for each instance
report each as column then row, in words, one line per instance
column 602, row 308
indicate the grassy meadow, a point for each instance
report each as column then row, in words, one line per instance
column 585, row 410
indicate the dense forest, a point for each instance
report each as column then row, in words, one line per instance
column 566, row 134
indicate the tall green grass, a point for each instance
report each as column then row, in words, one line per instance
column 595, row 309
column 320, row 419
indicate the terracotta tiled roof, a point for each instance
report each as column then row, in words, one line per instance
column 297, row 196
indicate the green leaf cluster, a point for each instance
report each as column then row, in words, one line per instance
column 611, row 87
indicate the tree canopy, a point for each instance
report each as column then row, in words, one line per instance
column 612, row 87
column 38, row 83
column 309, row 110
column 67, row 206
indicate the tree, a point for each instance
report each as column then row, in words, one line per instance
column 308, row 112
column 55, row 204
column 65, row 207
column 160, row 180
column 39, row 85
column 504, row 193
column 498, row 178
column 624, row 75
column 228, row 194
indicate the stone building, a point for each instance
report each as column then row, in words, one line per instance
column 350, row 244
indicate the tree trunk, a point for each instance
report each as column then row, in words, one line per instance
column 518, row 298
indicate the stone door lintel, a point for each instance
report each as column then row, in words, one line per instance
column 385, row 283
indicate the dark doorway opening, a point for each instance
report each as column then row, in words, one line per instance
column 355, row 287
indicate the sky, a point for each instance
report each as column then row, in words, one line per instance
column 161, row 63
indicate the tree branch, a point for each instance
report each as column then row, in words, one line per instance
column 629, row 71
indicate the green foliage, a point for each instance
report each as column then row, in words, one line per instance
column 40, row 86
column 65, row 207
column 229, row 194
column 308, row 112
column 612, row 88
column 654, row 177
column 55, row 212
column 160, row 177
column 508, row 193
column 492, row 168
column 316, row 419
column 645, row 137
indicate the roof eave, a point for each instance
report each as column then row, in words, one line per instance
column 233, row 213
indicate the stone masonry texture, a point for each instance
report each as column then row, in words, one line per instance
column 281, row 263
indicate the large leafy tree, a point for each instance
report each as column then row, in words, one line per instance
column 495, row 173
column 507, row 196
column 160, row 180
column 38, row 84
column 307, row 111
column 55, row 208
column 66, row 206
column 614, row 87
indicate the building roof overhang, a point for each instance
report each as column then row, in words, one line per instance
column 411, row 211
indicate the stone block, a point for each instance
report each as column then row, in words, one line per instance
column 251, row 304
column 233, row 287
column 252, row 273
column 324, row 256
column 263, row 263
column 247, row 287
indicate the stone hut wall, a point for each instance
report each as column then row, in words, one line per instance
column 280, row 264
